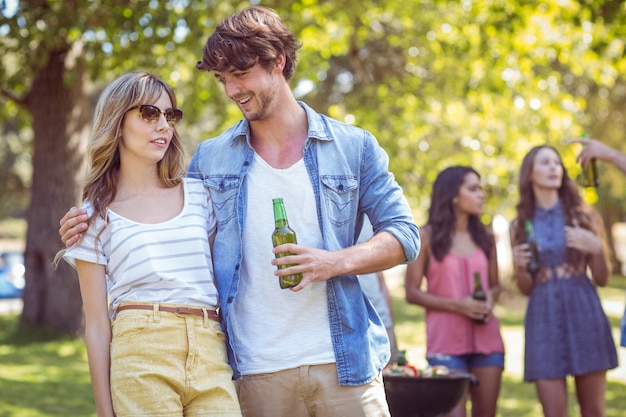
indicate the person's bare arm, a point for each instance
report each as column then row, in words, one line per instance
column 595, row 149
column 97, row 332
column 72, row 225
column 494, row 276
column 415, row 273
column 521, row 259
column 590, row 244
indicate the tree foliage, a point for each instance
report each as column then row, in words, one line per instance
column 438, row 82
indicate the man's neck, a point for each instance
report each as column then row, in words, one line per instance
column 279, row 139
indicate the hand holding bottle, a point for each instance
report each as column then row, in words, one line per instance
column 593, row 149
column 477, row 310
column 522, row 255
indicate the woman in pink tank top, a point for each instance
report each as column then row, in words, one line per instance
column 461, row 332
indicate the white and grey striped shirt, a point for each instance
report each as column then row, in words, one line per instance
column 168, row 262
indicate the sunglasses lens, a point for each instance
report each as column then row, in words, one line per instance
column 150, row 114
column 173, row 116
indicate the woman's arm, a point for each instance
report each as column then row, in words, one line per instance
column 415, row 295
column 97, row 332
column 521, row 258
column 494, row 276
column 590, row 242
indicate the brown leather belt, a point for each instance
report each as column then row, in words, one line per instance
column 212, row 314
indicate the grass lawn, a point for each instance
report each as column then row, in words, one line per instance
column 46, row 377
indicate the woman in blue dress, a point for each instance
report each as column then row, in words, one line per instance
column 566, row 330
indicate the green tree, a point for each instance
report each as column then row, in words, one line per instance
column 438, row 83
column 55, row 57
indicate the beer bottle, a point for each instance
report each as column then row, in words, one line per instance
column 284, row 234
column 479, row 293
column 533, row 265
column 590, row 172
column 402, row 360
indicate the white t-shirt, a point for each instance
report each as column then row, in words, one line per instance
column 274, row 328
column 168, row 262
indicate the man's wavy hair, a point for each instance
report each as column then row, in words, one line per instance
column 256, row 35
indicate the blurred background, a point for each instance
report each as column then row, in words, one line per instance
column 438, row 83
column 475, row 82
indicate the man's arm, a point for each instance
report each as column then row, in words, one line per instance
column 381, row 252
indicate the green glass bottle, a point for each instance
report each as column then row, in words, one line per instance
column 402, row 360
column 590, row 172
column 284, row 234
column 479, row 293
column 533, row 265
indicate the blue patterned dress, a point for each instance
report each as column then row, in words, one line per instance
column 567, row 332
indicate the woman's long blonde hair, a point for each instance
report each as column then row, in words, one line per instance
column 127, row 91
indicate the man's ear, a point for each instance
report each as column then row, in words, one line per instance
column 280, row 62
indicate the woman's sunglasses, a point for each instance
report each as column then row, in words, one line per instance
column 151, row 114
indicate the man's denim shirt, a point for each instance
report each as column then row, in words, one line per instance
column 349, row 174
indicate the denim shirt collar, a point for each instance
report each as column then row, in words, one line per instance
column 317, row 127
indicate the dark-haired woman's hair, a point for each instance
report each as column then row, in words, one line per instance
column 442, row 218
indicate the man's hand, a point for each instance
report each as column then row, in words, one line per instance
column 72, row 225
column 314, row 264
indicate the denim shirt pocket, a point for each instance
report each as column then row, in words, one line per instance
column 339, row 192
column 223, row 189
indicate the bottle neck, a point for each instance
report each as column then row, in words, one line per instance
column 530, row 233
column 280, row 216
column 280, row 222
column 477, row 284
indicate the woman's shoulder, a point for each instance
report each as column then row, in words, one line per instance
column 193, row 182
column 194, row 186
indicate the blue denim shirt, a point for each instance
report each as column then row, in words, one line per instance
column 349, row 174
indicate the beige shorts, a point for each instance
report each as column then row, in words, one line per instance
column 309, row 391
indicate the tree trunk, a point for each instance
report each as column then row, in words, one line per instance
column 60, row 111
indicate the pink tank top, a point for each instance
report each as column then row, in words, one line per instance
column 456, row 334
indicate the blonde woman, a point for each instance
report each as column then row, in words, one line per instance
column 153, row 336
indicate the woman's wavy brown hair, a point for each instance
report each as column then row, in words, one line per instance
column 575, row 210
